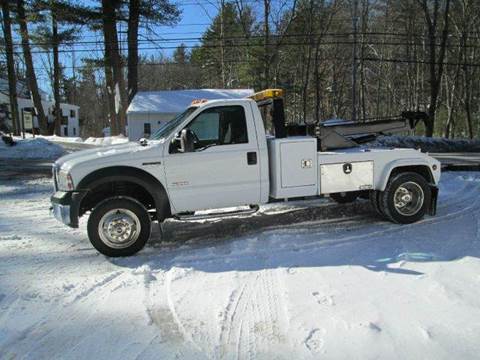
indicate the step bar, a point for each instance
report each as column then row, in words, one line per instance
column 192, row 217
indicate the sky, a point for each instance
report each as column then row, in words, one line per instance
column 195, row 17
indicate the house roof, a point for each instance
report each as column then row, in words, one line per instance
column 22, row 89
column 175, row 101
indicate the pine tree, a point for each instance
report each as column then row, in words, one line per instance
column 12, row 77
column 22, row 20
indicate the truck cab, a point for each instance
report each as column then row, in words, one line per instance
column 228, row 153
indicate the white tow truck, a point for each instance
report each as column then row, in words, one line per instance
column 230, row 153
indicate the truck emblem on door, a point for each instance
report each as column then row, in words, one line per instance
column 347, row 168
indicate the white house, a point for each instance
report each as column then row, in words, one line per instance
column 70, row 113
column 70, row 123
column 148, row 111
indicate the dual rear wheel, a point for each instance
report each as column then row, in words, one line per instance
column 405, row 199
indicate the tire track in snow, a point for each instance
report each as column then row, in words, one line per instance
column 227, row 320
column 171, row 305
column 96, row 286
column 255, row 319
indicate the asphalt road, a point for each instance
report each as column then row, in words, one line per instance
column 459, row 161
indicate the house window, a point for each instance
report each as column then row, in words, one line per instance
column 74, row 131
column 147, row 129
column 65, row 131
column 72, row 113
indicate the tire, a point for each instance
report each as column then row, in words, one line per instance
column 406, row 198
column 345, row 197
column 374, row 197
column 121, row 218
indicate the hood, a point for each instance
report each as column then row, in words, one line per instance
column 114, row 155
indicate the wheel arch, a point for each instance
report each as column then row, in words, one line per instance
column 405, row 165
column 137, row 182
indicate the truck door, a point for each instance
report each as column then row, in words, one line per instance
column 224, row 168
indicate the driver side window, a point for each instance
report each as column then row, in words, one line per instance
column 224, row 125
column 206, row 126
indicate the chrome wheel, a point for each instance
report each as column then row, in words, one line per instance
column 119, row 228
column 408, row 199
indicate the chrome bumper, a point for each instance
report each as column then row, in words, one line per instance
column 61, row 213
column 65, row 207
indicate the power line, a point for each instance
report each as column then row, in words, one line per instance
column 195, row 40
column 240, row 61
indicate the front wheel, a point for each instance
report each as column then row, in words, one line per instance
column 406, row 198
column 119, row 226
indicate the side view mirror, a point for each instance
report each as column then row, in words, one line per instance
column 187, row 141
column 175, row 144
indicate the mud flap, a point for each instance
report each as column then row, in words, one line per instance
column 433, row 201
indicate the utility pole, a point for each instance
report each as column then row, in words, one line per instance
column 354, row 60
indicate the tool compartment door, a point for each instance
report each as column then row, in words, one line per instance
column 293, row 167
column 297, row 163
column 344, row 177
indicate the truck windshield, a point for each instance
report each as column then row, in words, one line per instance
column 168, row 127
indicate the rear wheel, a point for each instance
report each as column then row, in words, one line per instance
column 374, row 198
column 119, row 226
column 345, row 197
column 406, row 198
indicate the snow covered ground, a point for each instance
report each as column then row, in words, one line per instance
column 31, row 148
column 291, row 282
column 52, row 147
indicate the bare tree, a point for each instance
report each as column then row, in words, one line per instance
column 132, row 38
column 12, row 77
column 116, row 83
column 436, row 61
column 31, row 76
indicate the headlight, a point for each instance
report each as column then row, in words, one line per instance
column 65, row 182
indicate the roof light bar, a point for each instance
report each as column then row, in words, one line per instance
column 267, row 94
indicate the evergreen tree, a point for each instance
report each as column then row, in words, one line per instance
column 22, row 20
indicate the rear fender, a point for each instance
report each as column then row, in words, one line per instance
column 408, row 165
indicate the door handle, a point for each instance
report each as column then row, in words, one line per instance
column 252, row 158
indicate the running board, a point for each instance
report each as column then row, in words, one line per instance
column 188, row 217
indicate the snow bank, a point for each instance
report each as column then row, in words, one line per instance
column 32, row 148
column 52, row 138
column 106, row 141
column 427, row 144
column 63, row 139
column 98, row 141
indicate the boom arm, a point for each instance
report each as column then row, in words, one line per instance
column 332, row 134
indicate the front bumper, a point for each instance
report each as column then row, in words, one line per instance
column 61, row 213
column 64, row 207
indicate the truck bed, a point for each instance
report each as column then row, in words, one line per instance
column 298, row 169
